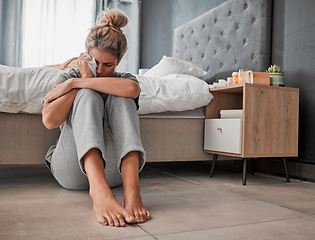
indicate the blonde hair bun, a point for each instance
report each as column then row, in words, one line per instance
column 112, row 18
column 107, row 34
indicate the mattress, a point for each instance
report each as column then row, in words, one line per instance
column 198, row 113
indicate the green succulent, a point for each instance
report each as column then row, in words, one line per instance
column 274, row 69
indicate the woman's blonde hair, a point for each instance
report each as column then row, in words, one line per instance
column 107, row 34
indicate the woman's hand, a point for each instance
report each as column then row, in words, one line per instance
column 83, row 66
column 58, row 91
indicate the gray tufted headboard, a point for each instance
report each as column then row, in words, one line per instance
column 234, row 35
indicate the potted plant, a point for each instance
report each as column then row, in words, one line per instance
column 276, row 75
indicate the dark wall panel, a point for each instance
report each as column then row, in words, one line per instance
column 294, row 49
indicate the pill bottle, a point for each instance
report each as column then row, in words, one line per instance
column 235, row 77
column 229, row 80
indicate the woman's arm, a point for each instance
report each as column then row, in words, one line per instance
column 57, row 111
column 122, row 87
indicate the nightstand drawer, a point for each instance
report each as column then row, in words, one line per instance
column 223, row 135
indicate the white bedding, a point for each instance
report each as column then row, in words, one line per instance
column 171, row 65
column 175, row 92
column 24, row 89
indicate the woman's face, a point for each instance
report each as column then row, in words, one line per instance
column 106, row 62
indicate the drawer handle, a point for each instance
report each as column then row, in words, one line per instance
column 219, row 129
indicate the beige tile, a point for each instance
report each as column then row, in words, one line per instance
column 37, row 191
column 198, row 207
column 140, row 238
column 224, row 176
column 181, row 198
column 34, row 206
column 288, row 229
column 57, row 219
column 42, row 190
column 297, row 195
column 162, row 182
column 231, row 180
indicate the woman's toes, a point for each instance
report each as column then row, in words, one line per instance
column 137, row 216
column 148, row 215
column 143, row 217
column 116, row 221
column 142, row 220
column 117, row 224
column 105, row 223
column 110, row 221
column 122, row 222
column 129, row 217
column 101, row 220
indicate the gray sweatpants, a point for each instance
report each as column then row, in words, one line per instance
column 112, row 127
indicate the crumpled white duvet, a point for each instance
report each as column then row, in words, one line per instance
column 24, row 89
column 174, row 92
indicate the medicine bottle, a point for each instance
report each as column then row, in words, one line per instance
column 235, row 77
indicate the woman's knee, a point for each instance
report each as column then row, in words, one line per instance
column 86, row 96
column 117, row 102
column 87, row 102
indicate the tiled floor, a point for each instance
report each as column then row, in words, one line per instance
column 184, row 202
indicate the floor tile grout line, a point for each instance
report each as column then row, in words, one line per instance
column 282, row 206
column 235, row 225
column 238, row 193
column 225, row 189
column 182, row 178
column 206, row 185
column 267, row 202
column 145, row 231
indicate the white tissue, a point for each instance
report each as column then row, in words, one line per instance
column 92, row 64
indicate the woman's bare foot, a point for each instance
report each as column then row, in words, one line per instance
column 133, row 204
column 108, row 211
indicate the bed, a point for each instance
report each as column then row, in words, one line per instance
column 234, row 35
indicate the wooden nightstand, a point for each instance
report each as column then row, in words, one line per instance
column 269, row 127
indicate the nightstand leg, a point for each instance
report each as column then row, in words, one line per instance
column 253, row 163
column 215, row 157
column 286, row 170
column 244, row 170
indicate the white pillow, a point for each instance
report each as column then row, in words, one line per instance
column 170, row 65
column 24, row 89
column 175, row 92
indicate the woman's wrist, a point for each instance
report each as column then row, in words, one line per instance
column 71, row 83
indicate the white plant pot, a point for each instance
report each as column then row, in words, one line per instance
column 277, row 79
